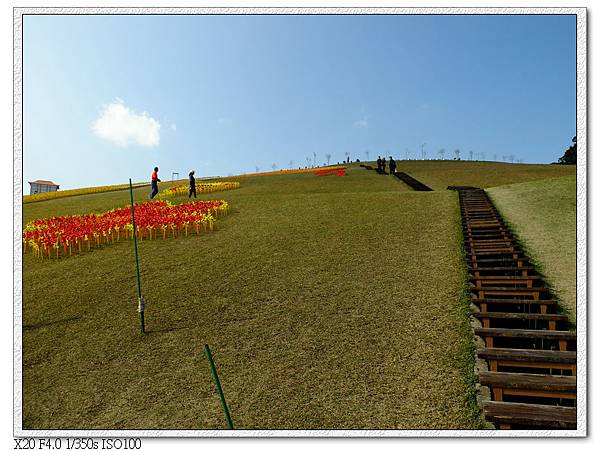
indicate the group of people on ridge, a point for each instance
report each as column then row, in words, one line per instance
column 155, row 181
column 381, row 163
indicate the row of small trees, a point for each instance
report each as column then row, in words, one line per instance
column 569, row 157
column 477, row 156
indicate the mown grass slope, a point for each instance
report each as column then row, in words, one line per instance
column 438, row 174
column 332, row 302
column 544, row 216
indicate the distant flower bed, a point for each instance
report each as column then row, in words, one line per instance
column 290, row 171
column 181, row 190
column 29, row 198
column 337, row 171
column 61, row 236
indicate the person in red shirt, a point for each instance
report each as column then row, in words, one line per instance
column 155, row 181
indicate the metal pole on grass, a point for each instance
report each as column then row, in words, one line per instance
column 215, row 376
column 137, row 264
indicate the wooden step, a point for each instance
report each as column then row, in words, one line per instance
column 489, row 333
column 476, row 300
column 530, row 385
column 543, row 304
column 495, row 281
column 490, row 215
column 482, row 232
column 529, row 358
column 493, row 260
column 481, row 252
column 486, row 291
column 495, row 225
column 488, row 236
column 502, row 268
column 528, row 355
column 526, row 333
column 518, row 316
column 488, row 246
column 506, row 414
column 461, row 187
column 552, row 319
column 490, row 240
column 496, row 242
column 511, row 271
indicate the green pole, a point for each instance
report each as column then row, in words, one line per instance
column 215, row 376
column 137, row 264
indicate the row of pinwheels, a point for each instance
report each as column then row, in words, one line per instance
column 337, row 171
column 61, row 236
column 180, row 190
column 29, row 198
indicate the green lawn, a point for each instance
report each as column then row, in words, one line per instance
column 329, row 302
column 439, row 174
column 543, row 214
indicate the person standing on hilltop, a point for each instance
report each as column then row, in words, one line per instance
column 379, row 163
column 192, row 185
column 155, row 181
column 392, row 166
column 383, row 165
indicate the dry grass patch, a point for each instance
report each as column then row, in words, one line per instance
column 329, row 302
column 544, row 216
column 439, row 174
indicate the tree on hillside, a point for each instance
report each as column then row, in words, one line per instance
column 328, row 156
column 570, row 156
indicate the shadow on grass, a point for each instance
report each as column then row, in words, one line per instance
column 50, row 323
column 167, row 330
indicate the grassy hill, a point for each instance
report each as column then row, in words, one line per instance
column 440, row 174
column 544, row 215
column 329, row 302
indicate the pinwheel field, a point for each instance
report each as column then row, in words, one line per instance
column 329, row 302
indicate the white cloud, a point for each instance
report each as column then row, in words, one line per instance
column 362, row 123
column 122, row 126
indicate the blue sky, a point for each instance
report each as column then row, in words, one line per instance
column 109, row 97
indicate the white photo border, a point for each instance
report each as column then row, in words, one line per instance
column 581, row 313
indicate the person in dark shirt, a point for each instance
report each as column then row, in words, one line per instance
column 155, row 181
column 379, row 162
column 383, row 165
column 392, row 166
column 192, row 185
